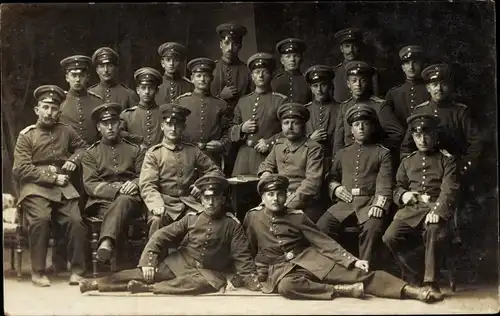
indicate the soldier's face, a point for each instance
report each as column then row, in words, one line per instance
column 439, row 90
column 201, row 80
column 274, row 200
column 173, row 130
column 212, row 204
column 170, row 64
column 350, row 50
column 361, row 130
column 412, row 68
column 320, row 90
column 290, row 61
column 229, row 48
column 146, row 92
column 293, row 128
column 109, row 129
column 107, row 71
column 357, row 84
column 261, row 77
column 77, row 80
column 425, row 141
column 47, row 113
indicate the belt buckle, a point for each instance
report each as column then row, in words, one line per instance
column 198, row 264
column 201, row 145
column 289, row 255
column 355, row 191
column 250, row 143
column 425, row 198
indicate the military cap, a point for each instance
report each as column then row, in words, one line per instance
column 105, row 55
column 148, row 75
column 419, row 123
column 106, row 111
column 319, row 73
column 231, row 31
column 411, row 52
column 50, row 94
column 212, row 185
column 201, row 64
column 349, row 34
column 261, row 60
column 436, row 72
column 358, row 67
column 169, row 49
column 76, row 63
column 360, row 111
column 272, row 182
column 293, row 109
column 291, row 45
column 172, row 111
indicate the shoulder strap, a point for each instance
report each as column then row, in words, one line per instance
column 27, row 129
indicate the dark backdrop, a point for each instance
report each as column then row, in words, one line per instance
column 35, row 38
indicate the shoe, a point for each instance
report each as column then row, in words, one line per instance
column 424, row 294
column 356, row 290
column 432, row 286
column 138, row 287
column 88, row 285
column 105, row 251
column 40, row 280
column 75, row 279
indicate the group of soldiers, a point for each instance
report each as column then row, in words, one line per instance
column 324, row 148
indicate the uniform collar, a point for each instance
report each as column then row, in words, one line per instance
column 263, row 93
column 441, row 104
column 275, row 214
column 153, row 105
column 414, row 82
column 295, row 72
column 324, row 102
column 235, row 61
column 172, row 147
column 362, row 98
column 295, row 145
column 204, row 94
column 45, row 128
column 111, row 142
column 175, row 77
column 429, row 153
column 78, row 93
column 108, row 84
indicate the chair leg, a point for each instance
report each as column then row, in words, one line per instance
column 19, row 258
column 12, row 258
column 93, row 244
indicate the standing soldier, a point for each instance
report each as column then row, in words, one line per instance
column 174, row 84
column 404, row 98
column 45, row 154
column 207, row 124
column 75, row 110
column 111, row 170
column 290, row 81
column 298, row 158
column 350, row 41
column 142, row 122
column 106, row 61
column 170, row 169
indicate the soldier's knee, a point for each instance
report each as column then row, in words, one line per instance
column 323, row 222
column 286, row 287
column 124, row 198
column 40, row 220
column 373, row 227
column 389, row 238
column 435, row 231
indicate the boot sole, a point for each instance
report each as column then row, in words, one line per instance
column 103, row 255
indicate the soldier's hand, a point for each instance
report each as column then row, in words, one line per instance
column 149, row 273
column 195, row 192
column 158, row 211
column 362, row 264
column 228, row 92
column 128, row 188
column 62, row 180
column 319, row 135
column 261, row 146
column 375, row 212
column 249, row 127
column 431, row 218
column 342, row 193
column 69, row 166
column 214, row 145
column 410, row 197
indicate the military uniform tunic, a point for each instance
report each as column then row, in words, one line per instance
column 144, row 123
column 171, row 88
column 115, row 92
column 341, row 91
column 293, row 85
column 404, row 98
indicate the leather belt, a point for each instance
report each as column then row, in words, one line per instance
column 174, row 192
column 286, row 257
column 201, row 145
column 251, row 143
column 425, row 198
column 361, row 192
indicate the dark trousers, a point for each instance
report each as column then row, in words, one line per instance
column 39, row 214
column 301, row 284
column 157, row 222
column 401, row 238
column 369, row 238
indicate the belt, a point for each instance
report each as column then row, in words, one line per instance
column 425, row 198
column 174, row 192
column 361, row 192
column 201, row 145
column 54, row 166
column 287, row 256
column 251, row 143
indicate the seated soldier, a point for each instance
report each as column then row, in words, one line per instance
column 426, row 190
column 170, row 170
column 45, row 154
column 209, row 241
column 111, row 170
column 300, row 262
column 298, row 158
column 361, row 181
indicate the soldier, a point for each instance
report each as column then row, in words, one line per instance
column 111, row 170
column 298, row 158
column 45, row 154
column 106, row 61
column 76, row 108
column 141, row 123
column 360, row 181
column 322, row 109
column 289, row 81
column 174, row 84
column 299, row 262
column 426, row 191
column 359, row 74
column 404, row 98
column 170, row 169
column 350, row 40
column 197, row 267
column 207, row 124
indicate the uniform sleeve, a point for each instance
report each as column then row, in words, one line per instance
column 338, row 141
column 93, row 184
column 235, row 133
column 326, row 245
column 139, row 160
column 78, row 146
column 240, row 252
column 225, row 124
column 389, row 100
column 408, row 146
column 445, row 204
column 23, row 167
column 402, row 184
column 149, row 180
column 134, row 138
column 391, row 126
column 384, row 183
column 269, row 163
column 206, row 166
column 133, row 99
column 250, row 233
column 272, row 140
column 473, row 137
column 311, row 185
column 334, row 177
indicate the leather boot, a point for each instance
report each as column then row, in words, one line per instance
column 134, row 286
column 424, row 294
column 112, row 287
column 105, row 250
column 356, row 290
column 88, row 285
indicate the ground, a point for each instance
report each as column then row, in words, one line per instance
column 22, row 298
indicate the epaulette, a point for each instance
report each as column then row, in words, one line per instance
column 93, row 145
column 187, row 94
column 308, row 104
column 130, row 109
column 155, row 147
column 376, row 99
column 413, row 153
column 230, row 215
column 192, row 212
column 422, row 104
column 395, row 87
column 247, row 95
column 187, row 79
column 295, row 211
column 460, row 105
column 345, row 146
column 129, row 142
column 94, row 94
column 93, row 86
column 257, row 208
column 383, row 147
column 337, row 66
column 281, row 95
column 347, row 100
column 121, row 84
column 446, row 153
column 27, row 129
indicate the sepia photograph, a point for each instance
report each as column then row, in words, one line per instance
column 250, row 158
